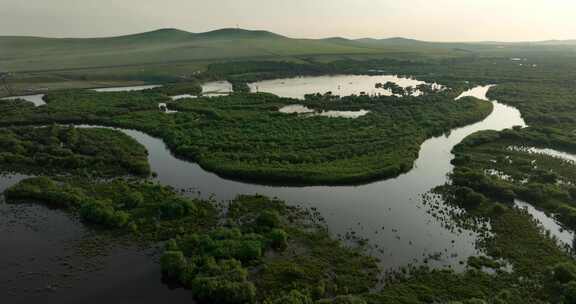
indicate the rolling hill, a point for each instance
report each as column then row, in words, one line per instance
column 19, row 54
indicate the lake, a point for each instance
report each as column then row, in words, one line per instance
column 342, row 85
column 300, row 109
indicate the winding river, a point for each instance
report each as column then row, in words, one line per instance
column 391, row 214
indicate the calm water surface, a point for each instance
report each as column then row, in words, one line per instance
column 342, row 85
column 128, row 89
column 300, row 109
column 546, row 151
column 35, row 99
column 549, row 223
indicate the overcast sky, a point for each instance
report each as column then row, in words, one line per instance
column 437, row 20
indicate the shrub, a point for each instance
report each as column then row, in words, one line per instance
column 565, row 272
column 173, row 264
column 570, row 293
column 567, row 215
column 349, row 299
column 132, row 199
column 475, row 301
column 244, row 250
column 46, row 190
column 103, row 214
column 469, row 198
column 294, row 297
column 268, row 220
column 224, row 282
column 498, row 209
column 176, row 209
column 279, row 239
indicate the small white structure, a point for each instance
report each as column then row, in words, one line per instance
column 162, row 107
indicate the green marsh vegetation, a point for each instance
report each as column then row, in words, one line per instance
column 522, row 263
column 544, row 181
column 147, row 210
column 267, row 253
column 490, row 172
column 235, row 261
column 256, row 250
column 57, row 150
column 243, row 136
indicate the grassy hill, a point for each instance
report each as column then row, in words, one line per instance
column 172, row 45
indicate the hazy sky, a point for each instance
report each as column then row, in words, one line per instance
column 439, row 20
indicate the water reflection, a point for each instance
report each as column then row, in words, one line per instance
column 549, row 223
column 37, row 99
column 546, row 151
column 128, row 89
column 216, row 87
column 342, row 85
column 300, row 109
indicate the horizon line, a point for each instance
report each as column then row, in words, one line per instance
column 285, row 36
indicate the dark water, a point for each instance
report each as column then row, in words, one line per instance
column 42, row 262
column 390, row 214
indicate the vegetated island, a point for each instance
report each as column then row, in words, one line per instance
column 243, row 136
column 59, row 150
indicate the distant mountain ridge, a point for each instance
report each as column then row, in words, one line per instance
column 25, row 53
column 239, row 33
